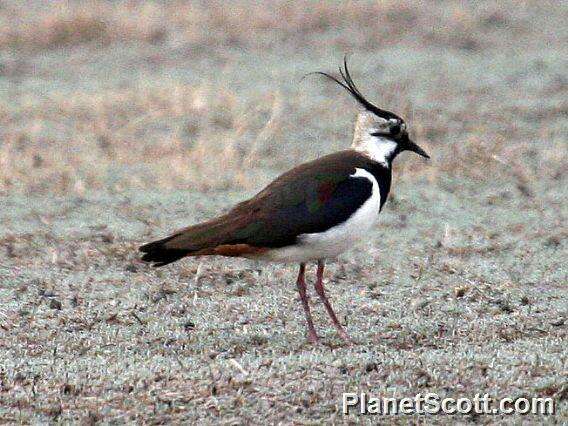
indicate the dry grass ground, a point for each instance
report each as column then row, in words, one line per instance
column 120, row 121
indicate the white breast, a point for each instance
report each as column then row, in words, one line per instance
column 338, row 239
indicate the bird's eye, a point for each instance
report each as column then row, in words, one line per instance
column 395, row 129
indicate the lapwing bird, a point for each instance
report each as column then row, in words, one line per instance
column 313, row 212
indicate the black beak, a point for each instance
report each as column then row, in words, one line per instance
column 411, row 146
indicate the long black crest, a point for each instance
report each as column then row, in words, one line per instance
column 350, row 86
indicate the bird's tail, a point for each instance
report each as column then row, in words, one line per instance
column 201, row 239
column 159, row 254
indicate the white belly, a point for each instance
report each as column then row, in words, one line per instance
column 335, row 240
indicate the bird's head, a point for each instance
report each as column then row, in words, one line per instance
column 379, row 133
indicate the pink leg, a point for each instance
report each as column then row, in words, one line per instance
column 301, row 284
column 321, row 293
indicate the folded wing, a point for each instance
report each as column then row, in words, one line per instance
column 308, row 199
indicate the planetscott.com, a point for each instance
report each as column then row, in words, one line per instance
column 431, row 403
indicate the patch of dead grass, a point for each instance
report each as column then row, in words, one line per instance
column 183, row 134
column 268, row 23
column 36, row 27
column 207, row 136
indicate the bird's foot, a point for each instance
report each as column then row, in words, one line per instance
column 313, row 337
column 345, row 337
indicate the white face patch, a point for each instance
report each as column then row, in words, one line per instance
column 377, row 148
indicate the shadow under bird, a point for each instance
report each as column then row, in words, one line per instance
column 313, row 212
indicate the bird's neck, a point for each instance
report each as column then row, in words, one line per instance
column 381, row 150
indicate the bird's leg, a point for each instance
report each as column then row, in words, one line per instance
column 301, row 284
column 321, row 293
